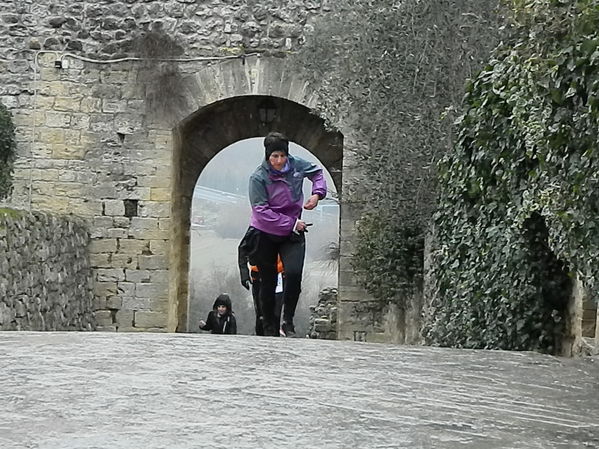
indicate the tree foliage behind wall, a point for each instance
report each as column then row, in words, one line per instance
column 391, row 71
column 7, row 150
column 519, row 204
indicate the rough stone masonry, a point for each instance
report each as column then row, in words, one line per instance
column 112, row 139
column 45, row 277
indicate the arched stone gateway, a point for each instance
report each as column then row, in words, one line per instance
column 224, row 103
column 212, row 128
column 120, row 140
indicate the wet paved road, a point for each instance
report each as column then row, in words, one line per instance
column 157, row 391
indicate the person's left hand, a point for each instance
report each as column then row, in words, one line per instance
column 312, row 202
column 245, row 278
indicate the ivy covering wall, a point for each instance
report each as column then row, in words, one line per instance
column 519, row 197
column 7, row 150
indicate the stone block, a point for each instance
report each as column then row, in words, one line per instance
column 84, row 208
column 64, row 188
column 113, row 106
column 153, row 263
column 80, row 121
column 160, row 194
column 103, row 246
column 122, row 222
column 137, row 276
column 139, row 223
column 113, row 208
column 106, row 328
column 133, row 246
column 72, row 137
column 124, row 261
column 127, row 121
column 102, row 222
column 133, row 303
column 151, row 290
column 103, row 191
column 51, row 136
column 322, row 325
column 114, row 302
column 117, row 233
column 114, row 77
column 159, row 276
column 126, row 289
column 135, row 193
column 66, row 104
column 105, row 289
column 110, row 275
column 57, row 119
column 68, row 175
column 144, row 234
column 42, row 103
column 90, row 104
column 104, row 318
column 160, row 138
column 124, row 318
column 100, row 260
column 146, row 319
column 50, row 203
column 48, row 174
column 347, row 277
column 160, row 247
column 102, row 124
column 154, row 181
column 155, row 209
column 63, row 151
column 353, row 294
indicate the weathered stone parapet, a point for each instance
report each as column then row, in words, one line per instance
column 107, row 28
column 45, row 276
column 323, row 316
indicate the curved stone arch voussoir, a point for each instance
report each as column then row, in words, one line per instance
column 254, row 75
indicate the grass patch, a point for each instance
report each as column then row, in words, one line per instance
column 6, row 212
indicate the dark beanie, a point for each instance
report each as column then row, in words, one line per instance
column 275, row 142
column 222, row 300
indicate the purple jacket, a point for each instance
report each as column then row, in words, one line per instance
column 277, row 198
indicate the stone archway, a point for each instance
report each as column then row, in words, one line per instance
column 204, row 133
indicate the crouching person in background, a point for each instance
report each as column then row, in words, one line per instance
column 221, row 319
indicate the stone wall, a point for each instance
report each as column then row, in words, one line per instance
column 45, row 277
column 576, row 340
column 96, row 133
column 323, row 316
column 108, row 28
column 105, row 136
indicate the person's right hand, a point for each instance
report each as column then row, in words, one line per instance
column 245, row 283
column 202, row 323
column 300, row 226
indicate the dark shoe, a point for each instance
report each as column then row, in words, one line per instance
column 259, row 327
column 270, row 331
column 288, row 329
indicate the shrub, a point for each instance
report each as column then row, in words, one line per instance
column 391, row 80
column 7, row 150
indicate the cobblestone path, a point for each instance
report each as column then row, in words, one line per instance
column 63, row 390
